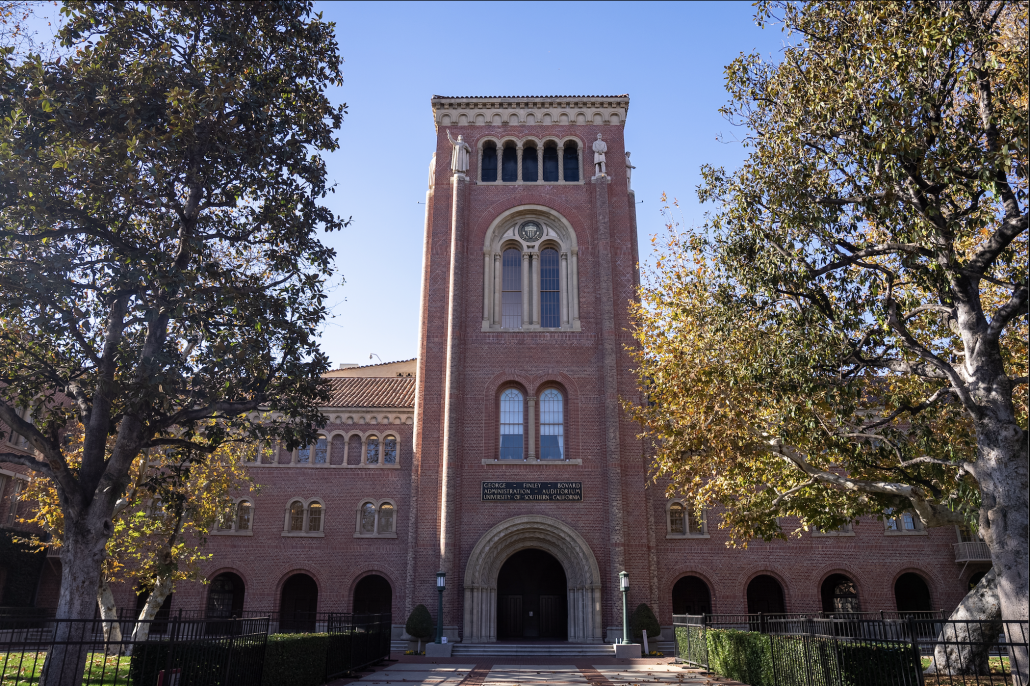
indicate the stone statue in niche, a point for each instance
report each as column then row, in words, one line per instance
column 460, row 152
column 600, row 148
column 432, row 171
column 629, row 172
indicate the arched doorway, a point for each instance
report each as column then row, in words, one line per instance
column 225, row 596
column 560, row 541
column 532, row 596
column 911, row 594
column 298, row 604
column 691, row 596
column 373, row 595
column 764, row 594
column 840, row 594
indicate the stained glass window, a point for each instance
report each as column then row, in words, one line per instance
column 511, row 425
column 552, row 425
column 511, row 290
column 372, row 450
column 550, row 295
column 490, row 162
column 390, row 450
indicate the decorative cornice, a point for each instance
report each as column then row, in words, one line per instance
column 530, row 110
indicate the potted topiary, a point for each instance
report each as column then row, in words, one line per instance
column 641, row 620
column 420, row 625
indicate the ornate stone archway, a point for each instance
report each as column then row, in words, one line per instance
column 547, row 534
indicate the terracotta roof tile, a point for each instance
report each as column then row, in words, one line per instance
column 373, row 391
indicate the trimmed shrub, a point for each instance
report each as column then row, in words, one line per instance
column 295, row 660
column 742, row 655
column 420, row 624
column 691, row 644
column 201, row 663
column 642, row 619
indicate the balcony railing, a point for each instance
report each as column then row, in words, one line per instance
column 972, row 551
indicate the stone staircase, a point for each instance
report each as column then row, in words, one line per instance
column 535, row 649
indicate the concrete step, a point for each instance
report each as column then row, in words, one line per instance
column 532, row 649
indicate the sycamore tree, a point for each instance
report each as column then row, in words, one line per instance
column 847, row 334
column 162, row 195
column 160, row 524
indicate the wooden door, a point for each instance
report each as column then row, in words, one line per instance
column 551, row 617
column 509, row 616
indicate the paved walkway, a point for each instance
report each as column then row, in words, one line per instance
column 586, row 671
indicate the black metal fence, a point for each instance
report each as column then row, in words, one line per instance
column 356, row 641
column 195, row 652
column 854, row 649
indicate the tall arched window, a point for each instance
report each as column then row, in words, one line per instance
column 509, row 164
column 372, row 450
column 490, row 162
column 315, row 517
column 571, row 160
column 550, row 293
column 677, row 519
column 550, row 163
column 511, row 425
column 354, row 449
column 386, row 522
column 243, row 510
column 840, row 594
column 368, row 518
column 552, row 425
column 530, row 164
column 321, row 450
column 511, row 290
column 390, row 450
column 304, row 454
column 296, row 516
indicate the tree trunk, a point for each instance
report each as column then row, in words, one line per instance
column 1002, row 472
column 109, row 615
column 81, row 561
column 162, row 589
column 953, row 656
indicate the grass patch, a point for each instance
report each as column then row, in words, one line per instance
column 24, row 669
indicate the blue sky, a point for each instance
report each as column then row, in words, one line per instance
column 669, row 57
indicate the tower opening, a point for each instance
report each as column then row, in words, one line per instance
column 532, row 597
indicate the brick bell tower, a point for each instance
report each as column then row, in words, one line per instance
column 522, row 453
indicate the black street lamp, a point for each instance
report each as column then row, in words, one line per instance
column 624, row 585
column 441, row 584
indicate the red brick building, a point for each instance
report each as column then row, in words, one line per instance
column 501, row 456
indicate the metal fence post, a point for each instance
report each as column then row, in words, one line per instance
column 918, row 660
column 806, row 640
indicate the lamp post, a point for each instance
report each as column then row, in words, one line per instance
column 624, row 585
column 441, row 584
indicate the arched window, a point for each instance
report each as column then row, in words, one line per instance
column 372, row 450
column 354, row 450
column 530, row 164
column 550, row 163
column 550, row 293
column 677, row 519
column 321, row 450
column 511, row 425
column 296, row 516
column 225, row 596
column 390, row 450
column 911, row 594
column 571, row 160
column 386, row 523
column 552, row 425
column 904, row 522
column 243, row 510
column 511, row 290
column 226, row 518
column 509, row 164
column 304, row 454
column 691, row 596
column 489, row 162
column 315, row 517
column 840, row 594
column 368, row 518
column 764, row 594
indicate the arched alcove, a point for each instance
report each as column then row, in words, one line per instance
column 373, row 595
column 298, row 604
column 764, row 594
column 911, row 594
column 225, row 596
column 691, row 596
column 559, row 540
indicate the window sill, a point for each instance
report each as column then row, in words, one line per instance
column 393, row 535
column 534, row 328
column 888, row 532
column 533, row 462
column 832, row 534
column 325, row 466
column 304, row 534
column 530, row 183
column 248, row 532
column 682, row 536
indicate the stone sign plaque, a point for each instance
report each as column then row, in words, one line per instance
column 539, row 491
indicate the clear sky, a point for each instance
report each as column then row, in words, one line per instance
column 669, row 58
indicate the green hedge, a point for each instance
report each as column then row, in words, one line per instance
column 295, row 660
column 691, row 645
column 203, row 663
column 742, row 655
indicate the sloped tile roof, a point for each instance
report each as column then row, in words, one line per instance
column 373, row 391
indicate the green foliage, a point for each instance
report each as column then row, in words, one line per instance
column 203, row 662
column 742, row 655
column 420, row 623
column 691, row 644
column 643, row 619
column 295, row 660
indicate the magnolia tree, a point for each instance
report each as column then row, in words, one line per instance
column 847, row 334
column 160, row 524
column 161, row 274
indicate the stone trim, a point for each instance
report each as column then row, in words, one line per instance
column 533, row 110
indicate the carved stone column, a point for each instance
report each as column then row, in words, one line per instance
column 574, row 288
column 531, row 426
column 561, row 161
column 534, row 275
column 498, row 273
column 525, row 290
column 518, row 157
column 564, row 289
column 486, row 288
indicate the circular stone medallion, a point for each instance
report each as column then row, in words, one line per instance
column 530, row 231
